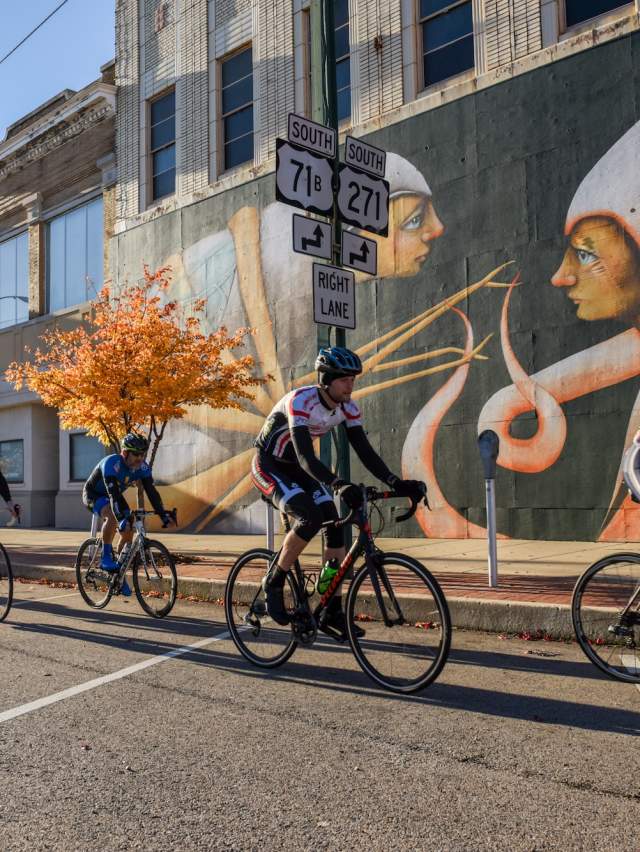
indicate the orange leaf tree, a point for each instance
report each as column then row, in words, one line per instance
column 137, row 363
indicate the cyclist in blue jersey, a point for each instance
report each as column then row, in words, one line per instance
column 103, row 494
column 290, row 475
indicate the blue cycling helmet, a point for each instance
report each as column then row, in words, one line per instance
column 135, row 443
column 335, row 362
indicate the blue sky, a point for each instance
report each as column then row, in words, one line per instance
column 65, row 53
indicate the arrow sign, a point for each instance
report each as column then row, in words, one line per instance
column 312, row 237
column 359, row 253
column 303, row 179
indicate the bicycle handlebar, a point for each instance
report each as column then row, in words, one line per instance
column 141, row 513
column 373, row 494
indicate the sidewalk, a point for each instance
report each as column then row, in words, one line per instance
column 535, row 578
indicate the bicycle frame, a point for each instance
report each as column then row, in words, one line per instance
column 137, row 543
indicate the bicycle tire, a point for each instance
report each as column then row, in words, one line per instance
column 138, row 567
column 596, row 597
column 424, row 635
column 6, row 583
column 247, row 628
column 89, row 577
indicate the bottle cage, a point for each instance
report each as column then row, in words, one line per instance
column 631, row 468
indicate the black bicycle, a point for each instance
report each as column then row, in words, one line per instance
column 393, row 597
column 152, row 567
column 605, row 610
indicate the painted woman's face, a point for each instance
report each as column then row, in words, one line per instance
column 601, row 272
column 413, row 224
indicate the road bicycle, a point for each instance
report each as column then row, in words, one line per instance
column 392, row 596
column 152, row 568
column 605, row 610
column 6, row 577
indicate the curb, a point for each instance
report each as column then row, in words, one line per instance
column 490, row 616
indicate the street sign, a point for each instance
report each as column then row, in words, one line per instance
column 303, row 179
column 363, row 200
column 364, row 156
column 316, row 137
column 334, row 300
column 359, row 253
column 312, row 237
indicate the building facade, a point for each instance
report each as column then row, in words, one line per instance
column 57, row 213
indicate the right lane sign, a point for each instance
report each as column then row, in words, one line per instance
column 359, row 253
column 334, row 300
column 363, row 200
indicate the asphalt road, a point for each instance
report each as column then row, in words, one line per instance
column 518, row 746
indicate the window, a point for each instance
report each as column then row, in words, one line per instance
column 75, row 255
column 84, row 454
column 581, row 10
column 14, row 280
column 237, row 108
column 447, row 39
column 343, row 59
column 162, row 145
column 12, row 460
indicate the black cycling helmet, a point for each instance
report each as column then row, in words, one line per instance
column 135, row 443
column 335, row 362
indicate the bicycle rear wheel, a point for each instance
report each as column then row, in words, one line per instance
column 406, row 652
column 94, row 584
column 258, row 638
column 6, row 583
column 154, row 579
column 610, row 639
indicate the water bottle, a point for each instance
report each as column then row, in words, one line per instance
column 329, row 571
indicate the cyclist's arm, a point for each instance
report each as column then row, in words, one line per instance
column 367, row 455
column 309, row 461
column 119, row 505
column 153, row 494
column 4, row 489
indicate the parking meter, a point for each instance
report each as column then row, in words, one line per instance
column 489, row 446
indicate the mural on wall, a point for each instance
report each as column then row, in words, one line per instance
column 508, row 297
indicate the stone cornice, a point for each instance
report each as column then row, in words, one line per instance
column 88, row 107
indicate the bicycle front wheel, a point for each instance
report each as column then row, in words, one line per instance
column 94, row 584
column 258, row 638
column 406, row 621
column 605, row 609
column 154, row 579
column 6, row 584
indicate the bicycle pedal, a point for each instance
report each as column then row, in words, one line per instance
column 333, row 633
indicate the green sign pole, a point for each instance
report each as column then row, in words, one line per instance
column 324, row 101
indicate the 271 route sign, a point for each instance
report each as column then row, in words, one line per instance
column 303, row 179
column 363, row 200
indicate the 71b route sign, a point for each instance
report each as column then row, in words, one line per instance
column 303, row 179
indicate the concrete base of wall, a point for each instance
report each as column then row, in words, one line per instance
column 70, row 511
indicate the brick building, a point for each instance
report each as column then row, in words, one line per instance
column 57, row 210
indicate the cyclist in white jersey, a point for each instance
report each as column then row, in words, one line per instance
column 290, row 475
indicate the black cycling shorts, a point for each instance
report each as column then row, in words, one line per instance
column 290, row 489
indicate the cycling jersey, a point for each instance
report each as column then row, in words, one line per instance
column 111, row 477
column 302, row 415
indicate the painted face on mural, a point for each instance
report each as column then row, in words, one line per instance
column 601, row 271
column 413, row 225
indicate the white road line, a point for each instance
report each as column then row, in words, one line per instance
column 100, row 681
column 40, row 600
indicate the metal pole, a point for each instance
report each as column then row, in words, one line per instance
column 270, row 527
column 492, row 532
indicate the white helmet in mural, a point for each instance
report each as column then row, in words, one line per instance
column 612, row 187
column 404, row 178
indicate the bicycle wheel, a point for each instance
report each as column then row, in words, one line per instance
column 258, row 638
column 609, row 638
column 6, row 583
column 94, row 584
column 154, row 579
column 408, row 653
